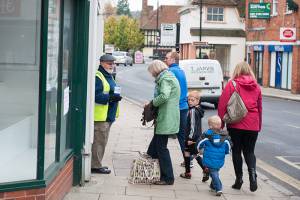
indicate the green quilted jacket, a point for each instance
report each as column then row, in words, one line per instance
column 166, row 98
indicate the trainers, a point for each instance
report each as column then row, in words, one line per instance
column 219, row 193
column 186, row 175
column 205, row 175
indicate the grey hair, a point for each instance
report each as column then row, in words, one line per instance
column 156, row 67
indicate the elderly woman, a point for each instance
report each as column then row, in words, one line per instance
column 244, row 133
column 166, row 99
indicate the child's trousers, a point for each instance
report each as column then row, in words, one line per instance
column 214, row 174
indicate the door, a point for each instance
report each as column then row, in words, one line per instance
column 278, row 70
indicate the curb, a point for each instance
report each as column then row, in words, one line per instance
column 281, row 97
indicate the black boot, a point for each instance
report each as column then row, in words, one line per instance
column 238, row 183
column 252, row 179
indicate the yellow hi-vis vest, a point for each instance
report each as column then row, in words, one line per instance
column 101, row 110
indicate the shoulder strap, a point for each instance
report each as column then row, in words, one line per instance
column 234, row 84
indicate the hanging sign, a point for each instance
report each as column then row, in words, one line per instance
column 287, row 34
column 168, row 35
column 259, row 10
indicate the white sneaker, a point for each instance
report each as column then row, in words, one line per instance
column 219, row 193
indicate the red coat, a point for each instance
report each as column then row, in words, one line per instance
column 250, row 92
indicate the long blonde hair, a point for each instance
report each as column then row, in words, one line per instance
column 157, row 66
column 242, row 68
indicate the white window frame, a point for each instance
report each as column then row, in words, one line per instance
column 215, row 14
column 287, row 10
column 274, row 7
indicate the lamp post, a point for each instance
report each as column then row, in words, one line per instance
column 200, row 3
column 157, row 33
column 200, row 29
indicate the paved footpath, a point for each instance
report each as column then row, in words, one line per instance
column 127, row 137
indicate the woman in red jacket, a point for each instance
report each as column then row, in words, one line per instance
column 244, row 133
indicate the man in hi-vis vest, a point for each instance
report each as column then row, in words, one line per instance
column 107, row 96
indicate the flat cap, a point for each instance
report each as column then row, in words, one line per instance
column 107, row 57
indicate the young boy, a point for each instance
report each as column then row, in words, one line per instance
column 192, row 135
column 215, row 148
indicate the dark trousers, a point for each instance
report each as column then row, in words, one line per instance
column 158, row 150
column 182, row 126
column 243, row 141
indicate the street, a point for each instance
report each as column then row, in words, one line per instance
column 277, row 150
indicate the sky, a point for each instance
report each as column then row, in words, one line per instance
column 135, row 5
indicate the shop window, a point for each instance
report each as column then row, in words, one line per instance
column 215, row 14
column 258, row 66
column 274, row 7
column 52, row 81
column 19, row 88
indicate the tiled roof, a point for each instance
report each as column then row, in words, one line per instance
column 167, row 14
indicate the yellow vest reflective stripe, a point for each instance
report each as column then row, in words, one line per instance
column 101, row 110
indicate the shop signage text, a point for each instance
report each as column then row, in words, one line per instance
column 168, row 35
column 259, row 10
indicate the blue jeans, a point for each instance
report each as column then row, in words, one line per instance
column 158, row 150
column 182, row 127
column 216, row 182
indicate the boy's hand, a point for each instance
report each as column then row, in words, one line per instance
column 190, row 142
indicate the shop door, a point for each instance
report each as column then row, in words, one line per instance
column 66, row 69
column 258, row 66
column 278, row 70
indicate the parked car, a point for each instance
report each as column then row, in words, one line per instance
column 206, row 76
column 122, row 57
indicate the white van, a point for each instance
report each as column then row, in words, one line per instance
column 206, row 76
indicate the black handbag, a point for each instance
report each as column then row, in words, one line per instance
column 150, row 113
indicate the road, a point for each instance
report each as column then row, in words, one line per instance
column 278, row 145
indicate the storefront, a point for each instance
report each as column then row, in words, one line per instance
column 43, row 93
column 258, row 51
column 281, row 66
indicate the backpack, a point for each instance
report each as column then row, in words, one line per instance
column 236, row 109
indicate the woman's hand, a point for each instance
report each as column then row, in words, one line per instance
column 146, row 103
column 190, row 142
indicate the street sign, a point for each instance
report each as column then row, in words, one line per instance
column 287, row 34
column 200, row 44
column 259, row 10
column 168, row 35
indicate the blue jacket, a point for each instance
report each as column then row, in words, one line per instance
column 180, row 75
column 214, row 149
column 101, row 98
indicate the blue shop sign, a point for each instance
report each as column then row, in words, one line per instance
column 258, row 47
column 284, row 48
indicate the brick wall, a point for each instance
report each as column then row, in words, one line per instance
column 59, row 187
column 268, row 30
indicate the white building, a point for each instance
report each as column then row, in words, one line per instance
column 223, row 32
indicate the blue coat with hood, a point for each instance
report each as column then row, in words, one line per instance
column 215, row 149
column 102, row 98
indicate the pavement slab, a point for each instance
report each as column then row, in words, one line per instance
column 127, row 138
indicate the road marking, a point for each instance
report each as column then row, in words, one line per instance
column 293, row 164
column 278, row 174
column 293, row 126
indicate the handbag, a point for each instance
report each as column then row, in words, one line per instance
column 144, row 170
column 149, row 114
column 236, row 109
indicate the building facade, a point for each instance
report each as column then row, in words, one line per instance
column 222, row 32
column 48, row 56
column 150, row 25
column 273, row 46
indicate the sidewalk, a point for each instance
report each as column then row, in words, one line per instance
column 283, row 94
column 127, row 137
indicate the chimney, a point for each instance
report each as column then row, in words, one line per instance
column 144, row 13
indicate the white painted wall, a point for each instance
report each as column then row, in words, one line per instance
column 96, row 24
column 189, row 18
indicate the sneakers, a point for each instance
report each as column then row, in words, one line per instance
column 219, row 193
column 183, row 164
column 186, row 175
column 205, row 175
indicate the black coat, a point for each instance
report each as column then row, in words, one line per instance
column 194, row 124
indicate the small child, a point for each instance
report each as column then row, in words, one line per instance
column 192, row 135
column 215, row 148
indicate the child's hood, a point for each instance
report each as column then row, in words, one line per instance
column 214, row 137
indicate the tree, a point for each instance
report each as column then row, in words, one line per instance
column 109, row 10
column 123, row 8
column 123, row 33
